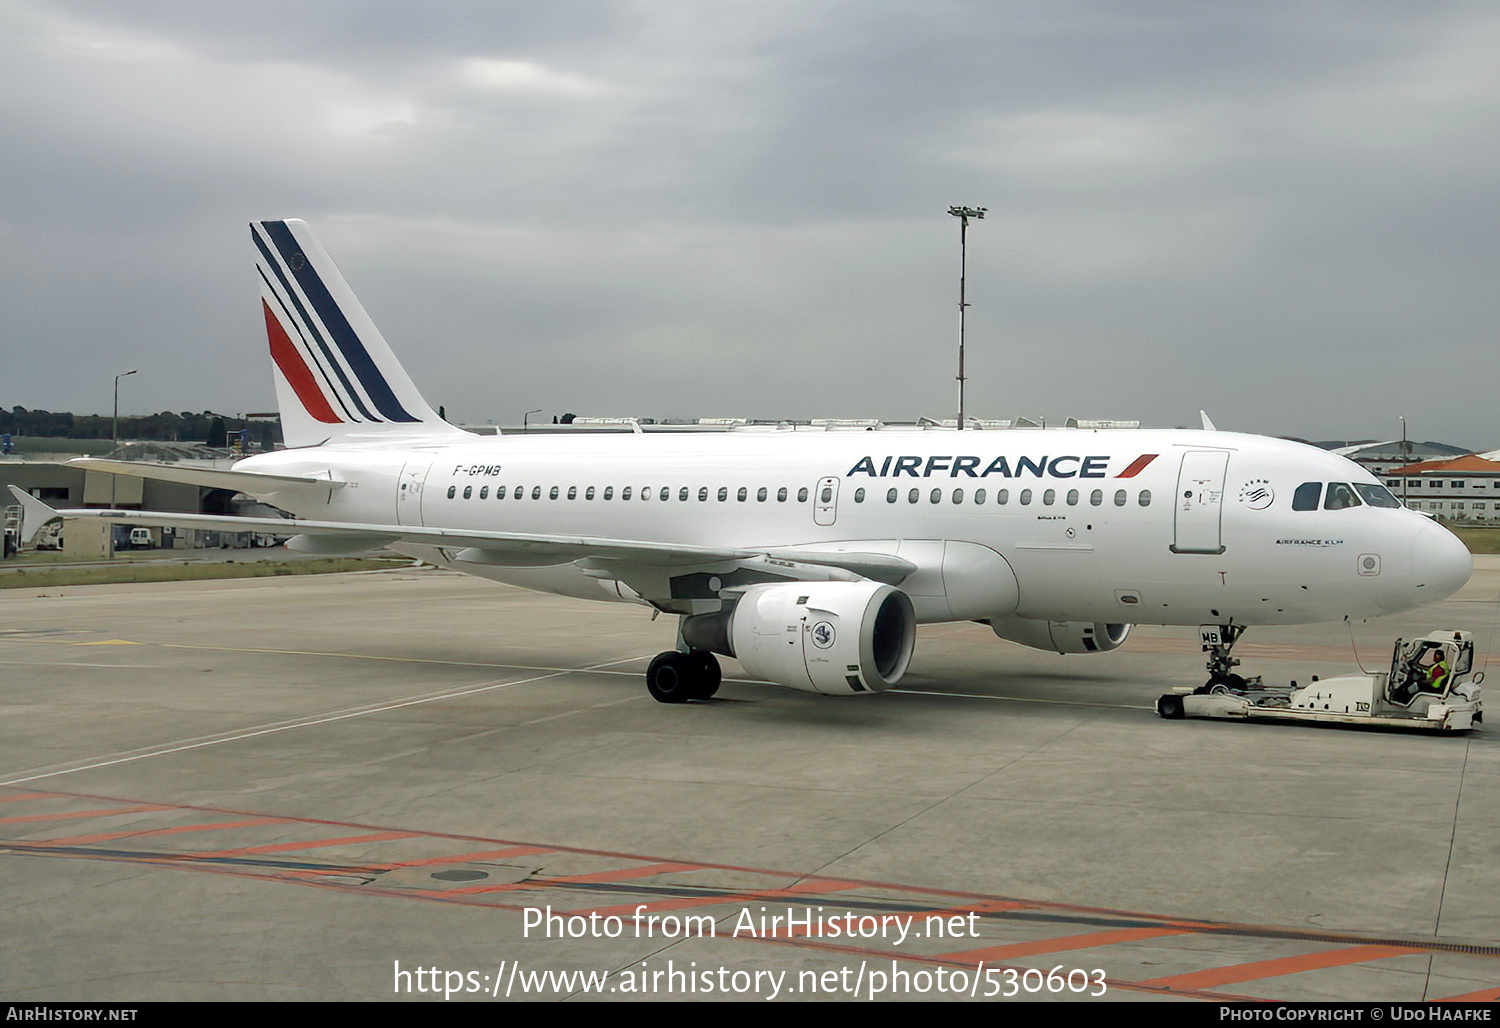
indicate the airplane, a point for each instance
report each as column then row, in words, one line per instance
column 810, row 557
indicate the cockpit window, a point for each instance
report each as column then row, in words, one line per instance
column 1306, row 496
column 1340, row 495
column 1377, row 495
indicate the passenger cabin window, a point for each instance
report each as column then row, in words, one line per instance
column 802, row 495
column 625, row 493
column 499, row 492
column 452, row 491
column 1306, row 496
column 859, row 495
column 1340, row 495
column 723, row 493
column 588, row 494
column 609, row 492
column 890, row 496
column 742, row 495
column 1145, row 498
column 702, row 494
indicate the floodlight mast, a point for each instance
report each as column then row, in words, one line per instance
column 963, row 214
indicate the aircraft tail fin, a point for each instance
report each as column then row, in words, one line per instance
column 336, row 377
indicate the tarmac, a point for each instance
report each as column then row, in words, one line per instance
column 413, row 785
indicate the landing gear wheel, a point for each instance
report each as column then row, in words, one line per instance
column 676, row 677
column 1221, row 685
column 708, row 674
column 669, row 679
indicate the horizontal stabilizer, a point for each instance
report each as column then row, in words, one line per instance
column 34, row 514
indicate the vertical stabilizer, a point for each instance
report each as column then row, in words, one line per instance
column 336, row 376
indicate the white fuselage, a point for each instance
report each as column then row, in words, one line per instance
column 1155, row 527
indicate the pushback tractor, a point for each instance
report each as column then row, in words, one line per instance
column 1431, row 685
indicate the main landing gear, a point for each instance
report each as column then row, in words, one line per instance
column 676, row 677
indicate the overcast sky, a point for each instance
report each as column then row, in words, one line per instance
column 1285, row 213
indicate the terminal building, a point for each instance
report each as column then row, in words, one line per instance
column 1464, row 489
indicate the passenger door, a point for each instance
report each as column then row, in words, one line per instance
column 409, row 491
column 1200, row 502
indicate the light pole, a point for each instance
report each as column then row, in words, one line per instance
column 114, row 431
column 963, row 214
column 524, row 417
column 114, row 435
column 1405, row 457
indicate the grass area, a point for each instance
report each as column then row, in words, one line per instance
column 47, row 558
column 57, row 575
column 26, row 445
column 1480, row 540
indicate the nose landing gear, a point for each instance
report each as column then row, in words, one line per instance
column 1217, row 641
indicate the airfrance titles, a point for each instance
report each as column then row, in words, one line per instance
column 1066, row 466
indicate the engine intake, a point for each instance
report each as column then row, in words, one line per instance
column 1061, row 636
column 835, row 638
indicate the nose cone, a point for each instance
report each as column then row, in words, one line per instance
column 1441, row 563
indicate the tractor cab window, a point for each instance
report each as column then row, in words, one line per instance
column 1306, row 496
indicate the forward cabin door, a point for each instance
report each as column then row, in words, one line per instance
column 1200, row 502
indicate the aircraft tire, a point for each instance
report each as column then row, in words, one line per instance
column 671, row 678
column 707, row 674
column 1223, row 684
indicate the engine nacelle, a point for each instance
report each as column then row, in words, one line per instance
column 1061, row 636
column 835, row 638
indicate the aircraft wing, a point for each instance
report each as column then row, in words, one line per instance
column 210, row 478
column 480, row 546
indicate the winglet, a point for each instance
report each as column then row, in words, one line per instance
column 1208, row 426
column 34, row 514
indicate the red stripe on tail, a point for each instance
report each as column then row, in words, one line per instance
column 296, row 372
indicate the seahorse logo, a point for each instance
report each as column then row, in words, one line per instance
column 1257, row 494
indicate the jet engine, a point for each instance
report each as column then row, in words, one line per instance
column 1061, row 636
column 836, row 638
